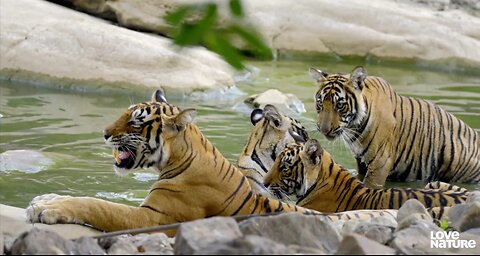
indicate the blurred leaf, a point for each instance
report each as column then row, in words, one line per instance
column 192, row 34
column 444, row 224
column 236, row 8
column 222, row 47
column 176, row 17
column 257, row 44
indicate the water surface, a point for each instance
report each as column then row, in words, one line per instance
column 67, row 126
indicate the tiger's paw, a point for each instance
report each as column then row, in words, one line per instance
column 50, row 209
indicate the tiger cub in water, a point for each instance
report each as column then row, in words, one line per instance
column 308, row 172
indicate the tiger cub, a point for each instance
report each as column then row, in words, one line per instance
column 195, row 180
column 268, row 137
column 308, row 172
column 394, row 137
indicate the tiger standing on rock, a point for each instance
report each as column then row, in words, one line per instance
column 394, row 137
column 309, row 173
column 195, row 180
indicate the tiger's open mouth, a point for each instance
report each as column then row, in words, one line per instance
column 124, row 157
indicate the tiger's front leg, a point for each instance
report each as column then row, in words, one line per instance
column 100, row 214
column 378, row 171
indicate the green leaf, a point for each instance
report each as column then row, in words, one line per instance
column 192, row 34
column 444, row 224
column 176, row 17
column 236, row 8
column 223, row 47
column 254, row 41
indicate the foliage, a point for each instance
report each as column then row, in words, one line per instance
column 200, row 24
column 444, row 224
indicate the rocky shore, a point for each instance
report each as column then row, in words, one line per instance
column 290, row 233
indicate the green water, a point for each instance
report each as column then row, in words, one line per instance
column 67, row 126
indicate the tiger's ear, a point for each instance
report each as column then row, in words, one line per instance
column 256, row 116
column 313, row 151
column 357, row 77
column 318, row 75
column 273, row 116
column 159, row 96
column 178, row 122
column 297, row 137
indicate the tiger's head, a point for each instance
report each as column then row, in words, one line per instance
column 140, row 136
column 339, row 101
column 269, row 135
column 295, row 170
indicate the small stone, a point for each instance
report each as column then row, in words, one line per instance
column 2, row 243
column 285, row 102
column 123, row 246
column 465, row 216
column 410, row 212
column 251, row 244
column 87, row 246
column 354, row 244
column 376, row 232
column 42, row 241
column 295, row 229
column 196, row 235
column 157, row 242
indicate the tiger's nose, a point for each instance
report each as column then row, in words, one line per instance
column 106, row 135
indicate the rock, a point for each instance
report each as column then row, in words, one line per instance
column 346, row 227
column 414, row 238
column 86, row 52
column 410, row 212
column 295, row 229
column 473, row 196
column 38, row 241
column 285, row 102
column 193, row 236
column 2, row 244
column 354, row 244
column 465, row 216
column 376, row 232
column 344, row 28
column 88, row 246
column 473, row 231
column 123, row 246
column 158, row 243
column 27, row 161
column 248, row 245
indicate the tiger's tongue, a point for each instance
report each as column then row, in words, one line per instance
column 120, row 156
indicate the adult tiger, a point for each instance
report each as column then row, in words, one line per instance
column 309, row 172
column 394, row 137
column 195, row 180
column 268, row 137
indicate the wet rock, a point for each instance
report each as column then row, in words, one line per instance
column 285, row 102
column 196, row 235
column 465, row 216
column 376, row 232
column 88, row 246
column 38, row 241
column 355, row 244
column 295, row 229
column 250, row 244
column 410, row 212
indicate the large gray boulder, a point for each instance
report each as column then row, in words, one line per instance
column 47, row 43
column 426, row 30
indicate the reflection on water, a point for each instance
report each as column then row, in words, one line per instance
column 68, row 126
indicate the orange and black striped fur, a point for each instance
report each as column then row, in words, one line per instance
column 195, row 180
column 307, row 171
column 394, row 137
column 268, row 137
